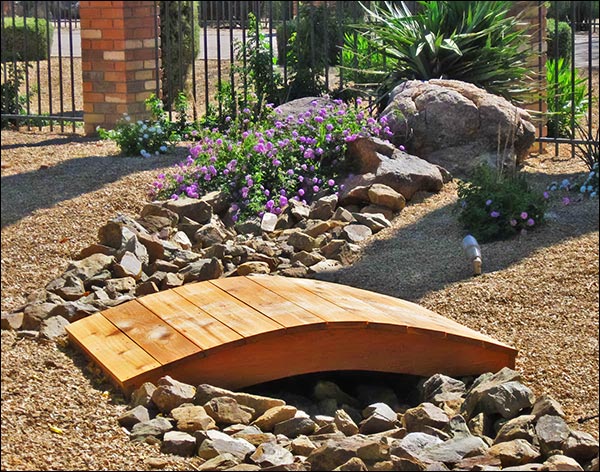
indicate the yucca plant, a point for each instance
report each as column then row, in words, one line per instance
column 475, row 42
column 566, row 98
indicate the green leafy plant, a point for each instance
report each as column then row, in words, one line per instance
column 494, row 206
column 566, row 100
column 277, row 159
column 476, row 42
column 559, row 36
column 360, row 62
column 179, row 39
column 12, row 101
column 154, row 136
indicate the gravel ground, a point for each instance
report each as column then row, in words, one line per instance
column 538, row 292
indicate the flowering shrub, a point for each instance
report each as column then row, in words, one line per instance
column 493, row 206
column 263, row 165
column 154, row 136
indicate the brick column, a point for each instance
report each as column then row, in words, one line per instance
column 118, row 60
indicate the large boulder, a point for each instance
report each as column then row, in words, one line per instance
column 457, row 125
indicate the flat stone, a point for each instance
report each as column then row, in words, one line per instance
column 426, row 414
column 546, row 405
column 34, row 314
column 560, row 462
column 271, row 455
column 383, row 195
column 138, row 414
column 203, row 269
column 192, row 208
column 580, row 446
column 12, row 320
column 226, row 410
column 221, row 462
column 253, row 267
column 301, row 241
column 277, row 414
column 521, row 427
column 323, row 208
column 375, row 221
column 156, row 427
column 218, row 443
column 171, row 393
column 268, row 222
column 178, row 443
column 260, row 404
column 307, row 258
column 53, row 327
column 191, row 418
column 294, row 427
column 514, row 453
column 356, row 233
column 551, row 432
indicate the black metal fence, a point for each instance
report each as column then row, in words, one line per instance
column 227, row 49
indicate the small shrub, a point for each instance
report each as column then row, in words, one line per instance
column 12, row 102
column 559, row 41
column 493, row 206
column 179, row 40
column 154, row 136
column 277, row 159
column 563, row 97
column 25, row 41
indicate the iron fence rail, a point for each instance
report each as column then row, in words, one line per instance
column 51, row 88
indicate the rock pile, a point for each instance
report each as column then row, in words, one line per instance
column 491, row 423
column 175, row 242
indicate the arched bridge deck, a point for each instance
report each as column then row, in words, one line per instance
column 240, row 331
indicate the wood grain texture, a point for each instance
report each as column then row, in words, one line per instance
column 241, row 331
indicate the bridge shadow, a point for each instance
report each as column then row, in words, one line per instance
column 24, row 193
column 426, row 256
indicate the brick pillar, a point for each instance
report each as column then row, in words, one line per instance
column 118, row 60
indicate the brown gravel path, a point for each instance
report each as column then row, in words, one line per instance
column 538, row 293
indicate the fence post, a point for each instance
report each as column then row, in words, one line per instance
column 118, row 60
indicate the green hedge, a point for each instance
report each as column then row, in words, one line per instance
column 25, row 41
column 562, row 36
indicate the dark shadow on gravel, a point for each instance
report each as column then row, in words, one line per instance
column 71, row 138
column 24, row 193
column 427, row 256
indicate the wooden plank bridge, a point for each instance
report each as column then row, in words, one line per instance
column 240, row 331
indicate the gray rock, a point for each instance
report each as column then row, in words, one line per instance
column 455, row 124
column 154, row 246
column 552, row 432
column 298, row 210
column 192, row 418
column 440, row 388
column 546, row 405
column 226, row 410
column 218, row 443
column 34, row 314
column 250, row 226
column 375, row 221
column 455, row 449
column 294, row 427
column 122, row 285
column 514, row 453
column 345, row 424
column 325, row 267
column 581, row 446
column 268, row 222
column 12, row 321
column 221, row 462
column 405, row 173
column 192, row 208
column 203, row 269
column 413, row 444
column 323, row 208
column 156, row 427
column 170, row 280
column 333, row 453
column 171, row 393
column 260, row 404
column 301, row 241
column 129, row 266
column 73, row 311
column 178, row 443
column 182, row 240
column 560, row 462
column 211, row 233
column 88, row 267
column 326, row 389
column 356, row 233
column 143, row 395
column 521, row 427
column 134, row 246
column 271, row 455
column 498, row 393
column 53, row 328
column 138, row 414
column 426, row 414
